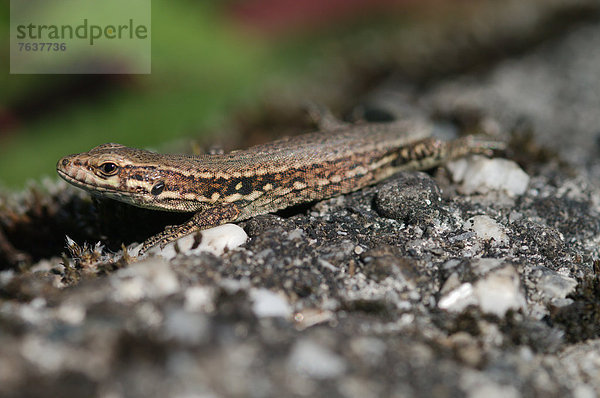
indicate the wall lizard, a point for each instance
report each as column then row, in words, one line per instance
column 265, row 178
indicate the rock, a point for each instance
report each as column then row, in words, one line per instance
column 200, row 298
column 266, row 303
column 187, row 327
column 551, row 284
column 487, row 229
column 478, row 174
column 387, row 261
column 500, row 291
column 369, row 349
column 213, row 240
column 457, row 299
column 152, row 278
column 314, row 360
column 380, row 306
column 583, row 363
column 543, row 239
column 478, row 385
column 495, row 293
column 412, row 198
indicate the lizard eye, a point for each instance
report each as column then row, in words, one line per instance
column 158, row 188
column 108, row 168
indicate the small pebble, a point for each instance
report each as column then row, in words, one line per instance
column 186, row 327
column 315, row 360
column 268, row 304
column 486, row 228
column 495, row 293
column 479, row 174
column 369, row 349
column 554, row 285
column 413, row 198
column 500, row 291
column 311, row 317
column 479, row 385
column 213, row 240
column 148, row 279
column 458, row 299
column 199, row 298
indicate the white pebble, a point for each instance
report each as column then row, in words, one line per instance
column 584, row 391
column 556, row 286
column 6, row 276
column 268, row 304
column 49, row 357
column 296, row 234
column 232, row 286
column 500, row 291
column 314, row 360
column 199, row 298
column 458, row 299
column 71, row 313
column 186, row 327
column 213, row 240
column 479, row 385
column 311, row 317
column 483, row 266
column 486, row 228
column 152, row 278
column 479, row 174
column 496, row 293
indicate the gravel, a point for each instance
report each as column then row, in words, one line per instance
column 419, row 286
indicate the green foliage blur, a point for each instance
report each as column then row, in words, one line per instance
column 203, row 67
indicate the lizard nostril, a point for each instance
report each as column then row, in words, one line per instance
column 65, row 162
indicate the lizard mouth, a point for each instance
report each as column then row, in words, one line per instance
column 101, row 190
column 78, row 183
column 83, row 184
column 71, row 180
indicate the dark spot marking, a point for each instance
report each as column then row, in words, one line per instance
column 177, row 248
column 138, row 177
column 197, row 240
column 158, row 188
column 272, row 179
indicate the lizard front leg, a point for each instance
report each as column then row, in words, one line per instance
column 210, row 217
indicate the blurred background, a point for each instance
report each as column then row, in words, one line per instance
column 240, row 71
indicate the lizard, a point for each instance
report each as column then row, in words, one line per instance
column 235, row 186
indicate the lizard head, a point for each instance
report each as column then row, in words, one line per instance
column 126, row 174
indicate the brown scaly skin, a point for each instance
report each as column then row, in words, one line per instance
column 262, row 179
